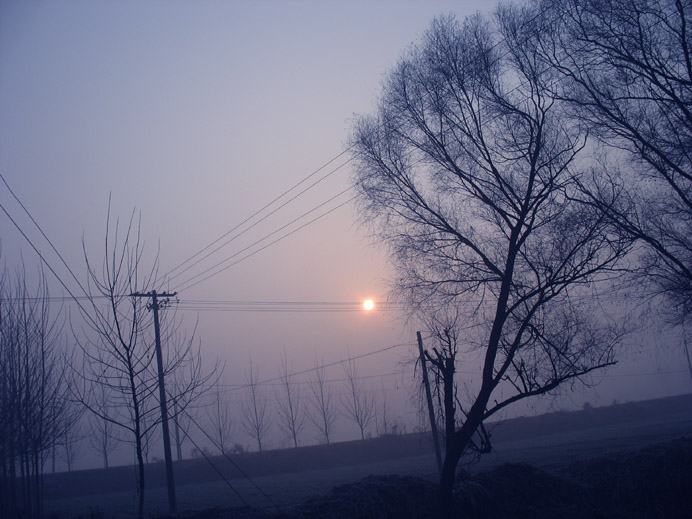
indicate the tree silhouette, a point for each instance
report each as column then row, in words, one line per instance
column 358, row 404
column 323, row 412
column 254, row 408
column 291, row 411
column 222, row 425
column 468, row 173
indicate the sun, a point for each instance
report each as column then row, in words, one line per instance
column 368, row 304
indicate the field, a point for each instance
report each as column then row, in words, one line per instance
column 283, row 478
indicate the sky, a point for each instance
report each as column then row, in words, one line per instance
column 199, row 114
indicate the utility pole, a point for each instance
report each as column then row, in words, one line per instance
column 172, row 507
column 431, row 410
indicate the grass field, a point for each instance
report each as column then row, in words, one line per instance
column 549, row 442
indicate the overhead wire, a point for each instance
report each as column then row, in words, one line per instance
column 238, row 468
column 306, row 382
column 282, row 306
column 335, row 363
column 41, row 256
column 208, row 459
column 269, row 204
column 267, row 382
column 253, row 225
column 52, row 299
column 189, row 283
column 48, row 265
column 492, row 47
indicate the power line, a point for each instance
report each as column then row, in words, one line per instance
column 204, row 454
column 43, row 259
column 230, row 305
column 335, row 363
column 269, row 205
column 187, row 284
column 50, row 299
column 45, row 262
column 282, row 306
column 262, row 209
column 233, row 387
column 253, row 225
column 242, row 472
column 237, row 226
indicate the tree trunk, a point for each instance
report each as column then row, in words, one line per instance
column 447, row 476
column 140, row 484
column 453, row 448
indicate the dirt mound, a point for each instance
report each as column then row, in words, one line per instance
column 243, row 512
column 519, row 490
column 648, row 483
column 651, row 482
column 374, row 497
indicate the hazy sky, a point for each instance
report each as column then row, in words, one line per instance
column 200, row 113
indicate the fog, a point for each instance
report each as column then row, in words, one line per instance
column 199, row 115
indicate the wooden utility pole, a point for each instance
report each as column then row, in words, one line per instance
column 431, row 409
column 172, row 507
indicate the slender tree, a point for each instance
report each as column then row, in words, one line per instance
column 383, row 412
column 291, row 412
column 103, row 436
column 359, row 404
column 322, row 413
column 255, row 408
column 221, row 421
column 71, row 446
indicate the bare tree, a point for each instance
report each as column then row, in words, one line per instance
column 358, row 404
column 625, row 67
column 221, row 420
column 34, row 405
column 322, row 412
column 177, row 427
column 118, row 345
column 383, row 412
column 254, row 408
column 71, row 446
column 468, row 173
column 291, row 413
column 104, row 433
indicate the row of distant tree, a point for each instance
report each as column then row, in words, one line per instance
column 292, row 407
column 222, row 420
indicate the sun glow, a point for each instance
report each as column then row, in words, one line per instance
column 368, row 305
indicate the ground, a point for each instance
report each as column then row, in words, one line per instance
column 591, row 463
